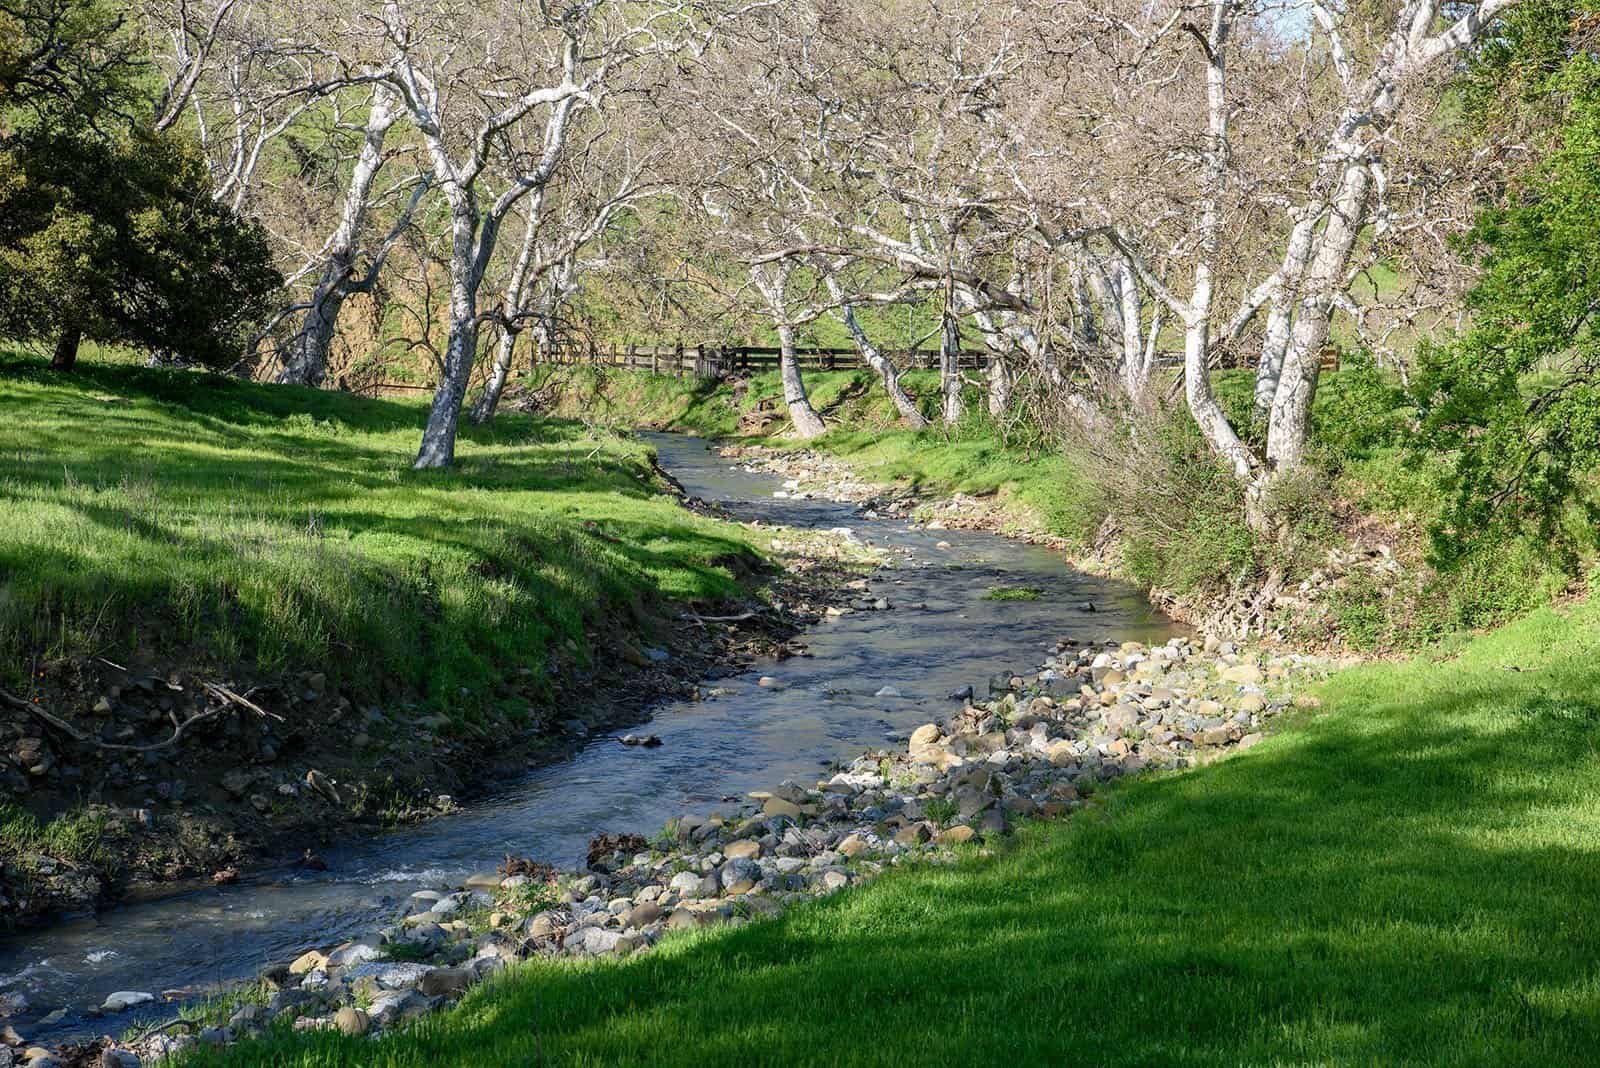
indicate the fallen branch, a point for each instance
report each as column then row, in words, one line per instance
column 740, row 618
column 239, row 699
column 86, row 739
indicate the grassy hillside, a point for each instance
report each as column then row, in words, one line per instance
column 166, row 514
column 1392, row 879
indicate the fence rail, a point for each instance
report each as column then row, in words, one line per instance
column 716, row 361
column 719, row 361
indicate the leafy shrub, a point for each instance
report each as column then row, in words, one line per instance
column 1359, row 408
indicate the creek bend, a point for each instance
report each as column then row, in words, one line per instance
column 941, row 634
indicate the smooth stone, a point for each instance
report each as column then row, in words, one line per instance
column 743, row 849
column 444, row 982
column 777, row 806
column 123, row 1000
column 352, row 1021
column 307, row 962
column 1242, row 674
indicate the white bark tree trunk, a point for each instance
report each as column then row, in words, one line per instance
column 1289, row 424
column 306, row 359
column 438, row 447
column 1001, row 383
column 510, row 308
column 772, row 282
column 950, row 370
column 1202, row 400
column 807, row 423
column 1137, row 360
column 1280, row 310
column 888, row 373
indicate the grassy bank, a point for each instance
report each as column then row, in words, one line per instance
column 407, row 633
column 1391, row 879
column 164, row 513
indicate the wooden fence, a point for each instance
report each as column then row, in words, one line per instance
column 718, row 361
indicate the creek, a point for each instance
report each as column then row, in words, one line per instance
column 943, row 632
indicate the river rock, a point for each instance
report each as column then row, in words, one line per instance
column 322, row 785
column 307, row 962
column 123, row 1000
column 598, row 940
column 352, row 1021
column 777, row 806
column 444, row 982
column 642, row 915
column 1242, row 674
column 389, row 975
column 110, row 1057
column 743, row 849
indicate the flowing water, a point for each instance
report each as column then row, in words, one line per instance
column 941, row 634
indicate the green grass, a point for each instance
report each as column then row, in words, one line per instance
column 78, row 837
column 1013, row 593
column 1402, row 877
column 217, row 522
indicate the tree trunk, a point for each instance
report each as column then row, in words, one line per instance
column 307, row 360
column 510, row 307
column 489, row 400
column 807, row 423
column 887, row 372
column 439, row 435
column 1289, row 423
column 1137, row 360
column 66, row 354
column 1280, row 313
column 950, row 370
column 1001, row 383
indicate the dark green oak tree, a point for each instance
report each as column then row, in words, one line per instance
column 108, row 230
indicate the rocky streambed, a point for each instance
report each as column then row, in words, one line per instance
column 1037, row 746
